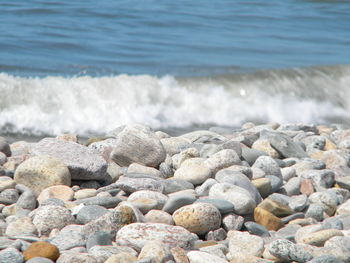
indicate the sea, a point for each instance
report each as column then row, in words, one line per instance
column 87, row 67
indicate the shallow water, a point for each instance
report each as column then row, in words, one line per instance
column 87, row 67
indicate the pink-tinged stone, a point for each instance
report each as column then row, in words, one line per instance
column 62, row 192
column 306, row 187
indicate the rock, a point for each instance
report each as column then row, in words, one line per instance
column 174, row 145
column 160, row 198
column 203, row 136
column 107, row 202
column 83, row 163
column 21, row 226
column 179, row 158
column 267, row 219
column 69, row 237
column 102, row 253
column 325, row 259
column 141, row 169
column 288, row 173
column 157, row 216
column 216, row 235
column 9, row 196
column 203, row 189
column 110, row 222
column 283, row 144
column 256, row 229
column 320, row 237
column 72, row 257
column 327, row 199
column 232, row 222
column 298, row 202
column 286, row 250
column 315, row 211
column 193, row 170
column 288, row 232
column 4, row 146
column 139, row 144
column 6, row 183
column 40, row 172
column 203, row 257
column 344, row 209
column 99, row 238
column 121, row 257
column 224, row 206
column 179, row 255
column 138, row 234
column 10, row 255
column 3, row 158
column 156, row 251
column 85, row 193
column 320, row 178
column 340, row 247
column 39, row 260
column 276, row 208
column 268, row 165
column 292, row 187
column 198, row 218
column 306, row 187
column 222, row 159
column 41, row 249
column 245, row 243
column 89, row 213
column 251, row 155
column 27, row 200
column 239, row 197
column 177, row 201
column 173, row 185
column 62, row 192
column 332, row 223
column 130, row 185
column 49, row 217
column 265, row 146
column 344, row 182
column 263, row 185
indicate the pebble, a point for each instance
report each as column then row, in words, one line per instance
column 320, row 237
column 41, row 249
column 222, row 159
column 286, row 250
column 256, row 229
column 21, row 226
column 232, row 222
column 102, row 253
column 121, row 257
column 131, row 185
column 69, row 237
column 10, row 254
column 224, row 206
column 39, row 260
column 198, row 218
column 156, row 251
column 245, row 243
column 158, row 216
column 298, row 203
column 193, row 170
column 89, row 213
column 203, row 257
column 267, row 219
column 160, row 198
column 173, row 185
column 27, row 200
column 275, row 207
column 177, row 201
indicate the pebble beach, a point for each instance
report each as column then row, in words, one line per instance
column 260, row 193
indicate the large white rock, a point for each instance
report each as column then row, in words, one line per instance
column 193, row 170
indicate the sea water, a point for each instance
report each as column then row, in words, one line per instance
column 87, row 67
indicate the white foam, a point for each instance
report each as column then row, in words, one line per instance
column 86, row 105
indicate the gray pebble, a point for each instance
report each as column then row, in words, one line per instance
column 325, row 259
column 11, row 255
column 107, row 202
column 175, row 185
column 315, row 211
column 89, row 213
column 256, row 229
column 176, row 201
column 224, row 206
column 286, row 250
column 39, row 260
column 27, row 200
column 99, row 238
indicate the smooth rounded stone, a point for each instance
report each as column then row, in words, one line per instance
column 138, row 168
column 6, row 183
column 89, row 213
column 139, row 217
column 268, row 165
column 107, row 202
column 256, row 229
column 276, row 182
column 22, row 226
column 102, row 253
column 286, row 250
column 209, row 149
column 83, row 163
column 177, row 201
column 104, row 147
column 39, row 260
column 216, row 235
column 198, row 218
column 3, row 158
column 283, row 144
column 288, row 232
column 10, row 195
column 145, row 204
column 173, row 185
column 245, row 243
column 315, row 211
column 305, row 230
column 53, row 201
column 4, row 146
column 263, row 185
column 131, row 185
column 222, row 159
column 41, row 249
column 238, row 179
column 219, row 250
column 327, row 199
column 166, row 168
column 340, row 247
column 49, row 217
column 203, row 257
column 179, row 158
column 40, row 172
column 306, row 187
column 69, row 237
column 85, row 193
column 203, row 189
column 292, row 187
column 158, row 216
column 325, row 259
column 204, row 136
column 275, row 207
column 267, row 219
column 114, row 171
column 320, row 178
column 156, row 251
column 72, row 257
column 246, row 170
column 332, row 223
column 320, row 237
column 121, row 257
column 27, row 200
column 280, row 198
column 232, row 222
column 334, row 158
column 265, row 146
column 344, row 182
column 193, row 170
column 138, row 144
column 223, row 206
column 251, row 155
column 11, row 255
column 300, row 220
column 288, row 173
column 91, row 184
column 111, row 222
column 239, row 197
column 298, row 203
column 138, row 234
column 174, row 145
column 160, row 198
column 344, row 209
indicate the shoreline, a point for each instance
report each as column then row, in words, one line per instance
column 258, row 193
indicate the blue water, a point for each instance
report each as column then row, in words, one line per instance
column 87, row 67
column 64, row 37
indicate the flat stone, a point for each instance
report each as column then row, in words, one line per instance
column 344, row 182
column 203, row 189
column 107, row 202
column 69, row 237
column 39, row 260
column 292, row 187
column 179, row 158
column 102, row 253
column 320, row 178
column 138, row 168
column 62, row 192
column 256, row 229
column 27, row 200
column 267, row 219
column 340, row 247
column 276, row 208
column 89, row 213
column 288, row 173
column 6, row 183
column 298, row 203
column 239, row 197
column 85, row 193
column 130, row 185
column 325, row 259
column 156, row 251
column 177, row 201
column 160, row 198
column 251, row 155
column 203, row 257
column 265, row 146
column 72, row 257
column 198, row 218
column 138, row 144
column 286, row 250
column 158, row 216
column 306, row 187
column 306, row 230
column 288, row 232
column 40, row 172
column 315, row 211
column 10, row 254
column 193, row 170
column 173, row 185
column 174, row 145
column 179, row 255
column 83, row 163
column 245, row 243
column 99, row 238
column 138, row 234
column 224, row 206
column 320, row 237
column 121, row 257
column 9, row 196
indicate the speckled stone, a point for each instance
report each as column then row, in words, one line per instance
column 286, row 250
column 193, row 170
column 245, row 243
